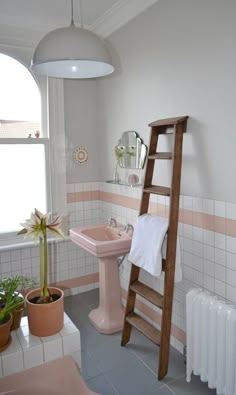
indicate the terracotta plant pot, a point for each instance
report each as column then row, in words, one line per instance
column 16, row 317
column 5, row 329
column 48, row 318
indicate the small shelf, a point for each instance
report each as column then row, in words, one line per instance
column 123, row 183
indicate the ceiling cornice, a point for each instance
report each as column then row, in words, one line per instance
column 113, row 19
column 118, row 15
column 13, row 36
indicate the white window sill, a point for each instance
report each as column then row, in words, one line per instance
column 24, row 244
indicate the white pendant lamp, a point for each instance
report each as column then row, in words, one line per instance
column 72, row 52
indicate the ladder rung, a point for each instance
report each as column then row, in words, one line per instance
column 147, row 293
column 157, row 190
column 169, row 121
column 144, row 327
column 161, row 155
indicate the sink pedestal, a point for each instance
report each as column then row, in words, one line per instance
column 109, row 316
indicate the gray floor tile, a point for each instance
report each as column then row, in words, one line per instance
column 89, row 367
column 177, row 368
column 140, row 345
column 101, row 385
column 110, row 369
column 109, row 355
column 196, row 387
column 133, row 378
column 164, row 390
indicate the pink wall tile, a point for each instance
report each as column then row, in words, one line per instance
column 78, row 281
column 202, row 220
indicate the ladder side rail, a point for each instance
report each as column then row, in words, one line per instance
column 171, row 252
column 144, row 204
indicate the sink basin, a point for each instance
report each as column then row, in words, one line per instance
column 101, row 240
column 107, row 244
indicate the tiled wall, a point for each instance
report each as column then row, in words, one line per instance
column 207, row 232
column 67, row 261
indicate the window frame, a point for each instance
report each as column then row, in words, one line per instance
column 52, row 119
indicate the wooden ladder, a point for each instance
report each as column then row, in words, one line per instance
column 160, row 337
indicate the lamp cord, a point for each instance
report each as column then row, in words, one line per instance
column 72, row 13
column 81, row 14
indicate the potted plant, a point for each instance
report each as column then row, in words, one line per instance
column 45, row 305
column 9, row 301
column 15, row 286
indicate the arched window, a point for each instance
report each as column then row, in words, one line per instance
column 20, row 102
column 23, row 146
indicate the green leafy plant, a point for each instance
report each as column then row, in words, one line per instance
column 37, row 227
column 10, row 296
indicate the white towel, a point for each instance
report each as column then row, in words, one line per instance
column 149, row 245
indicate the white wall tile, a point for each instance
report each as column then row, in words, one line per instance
column 231, row 293
column 220, row 241
column 220, row 256
column 231, row 211
column 197, row 204
column 220, row 288
column 188, row 202
column 231, row 244
column 12, row 363
column 188, row 231
column 188, row 245
column 198, row 234
column 208, row 252
column 209, row 268
column 220, row 272
column 71, row 343
column 70, row 188
column 208, row 237
column 220, row 208
column 231, row 261
column 33, row 356
column 198, row 248
column 53, row 350
column 231, row 277
column 198, row 263
column 14, row 346
column 208, row 206
column 209, row 283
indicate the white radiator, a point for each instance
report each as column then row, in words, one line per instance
column 211, row 341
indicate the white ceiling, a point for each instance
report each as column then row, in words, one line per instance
column 101, row 16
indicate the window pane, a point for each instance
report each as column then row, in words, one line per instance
column 20, row 102
column 23, row 183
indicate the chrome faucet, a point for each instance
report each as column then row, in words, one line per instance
column 128, row 228
column 112, row 222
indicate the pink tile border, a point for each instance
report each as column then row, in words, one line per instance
column 73, row 197
column 201, row 220
column 77, row 281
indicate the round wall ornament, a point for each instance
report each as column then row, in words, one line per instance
column 80, row 155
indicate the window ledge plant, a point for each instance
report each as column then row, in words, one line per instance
column 12, row 291
column 41, row 320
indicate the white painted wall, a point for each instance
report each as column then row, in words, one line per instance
column 81, row 129
column 177, row 58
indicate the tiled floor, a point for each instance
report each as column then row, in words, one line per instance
column 110, row 369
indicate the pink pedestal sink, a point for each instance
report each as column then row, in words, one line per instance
column 107, row 244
